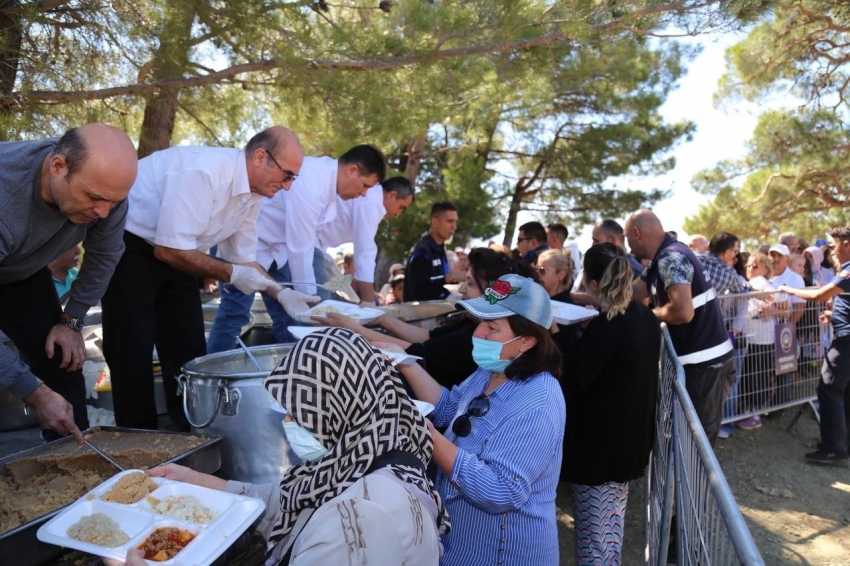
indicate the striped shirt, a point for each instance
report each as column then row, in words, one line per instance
column 501, row 495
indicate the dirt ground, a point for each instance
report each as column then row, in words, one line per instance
column 798, row 513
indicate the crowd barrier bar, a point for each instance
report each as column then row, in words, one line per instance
column 758, row 388
column 684, row 476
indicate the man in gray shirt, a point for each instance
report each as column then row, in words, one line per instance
column 54, row 194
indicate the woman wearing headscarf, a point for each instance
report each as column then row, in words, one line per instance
column 501, row 453
column 610, row 383
column 820, row 275
column 362, row 497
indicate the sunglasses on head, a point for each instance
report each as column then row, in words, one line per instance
column 478, row 407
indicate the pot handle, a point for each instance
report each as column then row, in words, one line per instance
column 184, row 391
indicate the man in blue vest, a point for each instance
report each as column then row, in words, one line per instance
column 833, row 390
column 682, row 298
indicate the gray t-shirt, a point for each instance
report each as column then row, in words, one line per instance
column 32, row 234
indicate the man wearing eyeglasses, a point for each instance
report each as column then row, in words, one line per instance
column 288, row 241
column 186, row 200
column 833, row 390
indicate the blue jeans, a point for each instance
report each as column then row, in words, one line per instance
column 235, row 309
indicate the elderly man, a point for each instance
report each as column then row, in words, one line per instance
column 833, row 390
column 57, row 193
column 676, row 283
column 288, row 245
column 698, row 244
column 186, row 200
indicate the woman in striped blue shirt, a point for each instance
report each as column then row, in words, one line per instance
column 500, row 456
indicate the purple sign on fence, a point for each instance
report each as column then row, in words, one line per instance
column 786, row 348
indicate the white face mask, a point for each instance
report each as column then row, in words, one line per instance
column 304, row 444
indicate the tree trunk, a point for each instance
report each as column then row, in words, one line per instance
column 513, row 211
column 171, row 59
column 10, row 49
column 158, row 124
column 414, row 159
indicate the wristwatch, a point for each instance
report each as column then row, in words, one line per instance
column 72, row 323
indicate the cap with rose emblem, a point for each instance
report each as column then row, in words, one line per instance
column 511, row 295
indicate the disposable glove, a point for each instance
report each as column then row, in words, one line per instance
column 248, row 280
column 295, row 303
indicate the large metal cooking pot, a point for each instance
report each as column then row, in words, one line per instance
column 223, row 394
column 427, row 314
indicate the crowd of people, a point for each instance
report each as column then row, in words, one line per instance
column 523, row 405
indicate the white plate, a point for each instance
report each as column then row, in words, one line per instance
column 424, row 407
column 452, row 287
column 398, row 357
column 301, row 331
column 138, row 521
column 565, row 313
column 363, row 315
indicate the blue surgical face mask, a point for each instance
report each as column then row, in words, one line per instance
column 304, row 444
column 488, row 354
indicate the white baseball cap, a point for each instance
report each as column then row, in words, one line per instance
column 780, row 249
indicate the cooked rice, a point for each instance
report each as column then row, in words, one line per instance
column 98, row 529
column 184, row 507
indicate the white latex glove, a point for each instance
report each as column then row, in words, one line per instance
column 295, row 303
column 248, row 280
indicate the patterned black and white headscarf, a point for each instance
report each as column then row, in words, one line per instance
column 345, row 392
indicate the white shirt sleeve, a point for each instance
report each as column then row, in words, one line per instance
column 186, row 208
column 366, row 218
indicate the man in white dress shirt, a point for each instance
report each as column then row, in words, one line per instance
column 357, row 221
column 184, row 201
column 288, row 246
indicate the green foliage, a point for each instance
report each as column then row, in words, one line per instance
column 795, row 174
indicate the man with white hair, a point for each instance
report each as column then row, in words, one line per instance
column 698, row 243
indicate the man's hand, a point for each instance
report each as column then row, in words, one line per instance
column 53, row 411
column 249, row 280
column 72, row 344
column 337, row 319
column 825, row 317
column 295, row 303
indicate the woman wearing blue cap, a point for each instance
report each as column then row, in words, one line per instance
column 500, row 456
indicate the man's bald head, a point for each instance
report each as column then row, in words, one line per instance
column 274, row 158
column 698, row 243
column 89, row 171
column 644, row 233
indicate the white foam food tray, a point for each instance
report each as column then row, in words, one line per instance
column 565, row 313
column 363, row 315
column 138, row 520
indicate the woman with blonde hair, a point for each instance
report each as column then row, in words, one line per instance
column 554, row 270
column 610, row 384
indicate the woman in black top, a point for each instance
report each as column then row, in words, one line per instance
column 610, row 385
column 446, row 351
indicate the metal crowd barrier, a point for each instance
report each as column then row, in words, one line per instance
column 762, row 386
column 684, row 478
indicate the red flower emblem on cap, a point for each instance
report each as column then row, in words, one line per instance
column 498, row 290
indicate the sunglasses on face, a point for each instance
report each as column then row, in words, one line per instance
column 522, row 239
column 541, row 270
column 287, row 175
column 478, row 407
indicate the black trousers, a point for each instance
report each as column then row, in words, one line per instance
column 147, row 303
column 28, row 311
column 708, row 387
